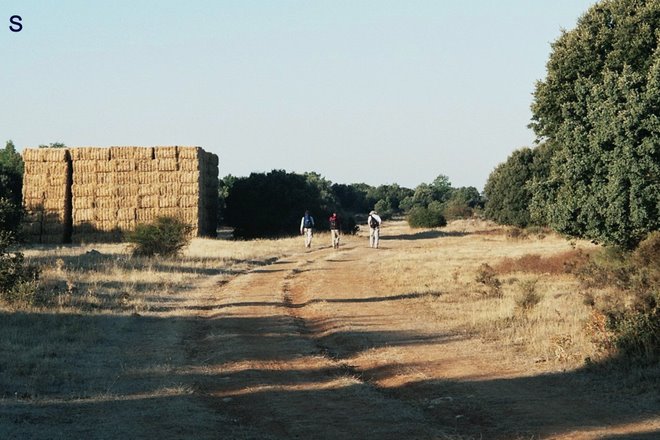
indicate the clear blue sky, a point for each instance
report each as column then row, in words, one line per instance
column 378, row 91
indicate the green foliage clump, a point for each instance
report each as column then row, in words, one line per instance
column 510, row 187
column 18, row 280
column 166, row 236
column 599, row 105
column 427, row 217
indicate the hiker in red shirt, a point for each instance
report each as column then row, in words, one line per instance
column 334, row 229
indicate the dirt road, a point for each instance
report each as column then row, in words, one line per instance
column 314, row 346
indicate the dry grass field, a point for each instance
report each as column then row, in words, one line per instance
column 464, row 332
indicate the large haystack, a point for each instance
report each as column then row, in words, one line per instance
column 108, row 191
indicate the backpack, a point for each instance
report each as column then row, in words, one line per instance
column 373, row 223
column 309, row 223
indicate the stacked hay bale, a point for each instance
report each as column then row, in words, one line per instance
column 113, row 189
column 47, row 195
column 105, row 191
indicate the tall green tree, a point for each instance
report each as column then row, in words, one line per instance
column 507, row 190
column 600, row 106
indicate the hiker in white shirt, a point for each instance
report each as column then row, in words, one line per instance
column 374, row 223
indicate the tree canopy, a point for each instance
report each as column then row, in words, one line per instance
column 600, row 106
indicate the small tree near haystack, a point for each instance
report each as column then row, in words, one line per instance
column 165, row 237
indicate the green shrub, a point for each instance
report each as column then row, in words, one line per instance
column 18, row 280
column 431, row 217
column 166, row 236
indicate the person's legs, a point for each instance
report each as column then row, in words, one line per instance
column 371, row 237
column 376, row 237
column 308, row 237
column 335, row 238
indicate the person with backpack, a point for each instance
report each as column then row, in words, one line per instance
column 307, row 227
column 334, row 230
column 374, row 223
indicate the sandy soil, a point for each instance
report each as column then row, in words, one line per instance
column 313, row 347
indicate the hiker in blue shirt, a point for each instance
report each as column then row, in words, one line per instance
column 307, row 227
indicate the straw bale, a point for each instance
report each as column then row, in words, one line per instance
column 83, row 215
column 170, row 189
column 54, row 154
column 189, row 165
column 125, row 178
column 143, row 153
column 105, row 190
column 106, row 166
column 83, row 202
column 188, row 201
column 84, row 166
column 107, row 203
column 52, row 228
column 31, row 155
column 190, row 177
column 146, row 215
column 127, row 225
column 165, row 152
column 105, row 214
column 56, row 192
column 106, row 178
column 147, row 166
column 58, row 205
column 78, row 190
column 169, row 177
column 124, row 214
column 147, row 189
column 128, row 192
column 168, row 201
column 107, row 224
column 189, row 153
column 121, row 153
column 167, row 164
column 148, row 201
column 189, row 189
column 90, row 153
column 147, row 178
column 124, row 165
column 84, row 178
column 58, row 180
column 33, row 192
column 169, row 212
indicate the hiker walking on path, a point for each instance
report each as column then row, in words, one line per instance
column 307, row 227
column 374, row 223
column 334, row 230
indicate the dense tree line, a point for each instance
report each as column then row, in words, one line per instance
column 271, row 204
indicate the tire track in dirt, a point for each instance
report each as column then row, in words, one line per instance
column 261, row 363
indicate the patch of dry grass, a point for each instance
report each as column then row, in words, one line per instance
column 536, row 310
